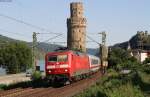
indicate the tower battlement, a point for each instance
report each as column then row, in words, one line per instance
column 76, row 9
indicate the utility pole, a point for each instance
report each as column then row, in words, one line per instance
column 103, row 38
column 34, row 44
column 103, row 52
column 34, row 47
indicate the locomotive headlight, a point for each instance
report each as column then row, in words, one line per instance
column 49, row 71
column 66, row 70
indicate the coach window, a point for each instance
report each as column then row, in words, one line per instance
column 94, row 61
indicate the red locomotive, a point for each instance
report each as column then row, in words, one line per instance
column 67, row 66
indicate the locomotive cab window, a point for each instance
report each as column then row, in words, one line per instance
column 62, row 58
column 59, row 58
column 52, row 58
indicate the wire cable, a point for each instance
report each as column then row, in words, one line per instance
column 40, row 28
column 65, row 42
column 52, row 38
column 14, row 33
column 93, row 40
column 47, row 40
column 25, row 23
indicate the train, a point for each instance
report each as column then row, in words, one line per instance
column 69, row 66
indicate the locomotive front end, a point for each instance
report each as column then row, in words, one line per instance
column 57, row 67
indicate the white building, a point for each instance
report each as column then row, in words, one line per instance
column 140, row 55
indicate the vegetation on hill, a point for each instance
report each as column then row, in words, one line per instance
column 4, row 39
column 42, row 48
column 15, row 55
column 121, row 59
column 135, row 84
column 45, row 47
column 115, row 83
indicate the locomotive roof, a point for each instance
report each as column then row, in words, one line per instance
column 74, row 52
column 67, row 51
column 64, row 51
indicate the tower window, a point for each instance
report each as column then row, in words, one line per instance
column 80, row 46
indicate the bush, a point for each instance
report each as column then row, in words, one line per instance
column 36, row 75
column 37, row 80
column 3, row 87
column 147, row 60
column 126, row 90
column 114, row 85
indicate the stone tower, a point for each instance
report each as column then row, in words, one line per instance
column 76, row 28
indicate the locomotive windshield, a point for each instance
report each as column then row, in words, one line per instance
column 58, row 58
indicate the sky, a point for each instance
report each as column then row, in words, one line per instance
column 121, row 19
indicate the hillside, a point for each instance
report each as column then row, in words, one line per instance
column 93, row 51
column 44, row 47
column 139, row 41
column 4, row 39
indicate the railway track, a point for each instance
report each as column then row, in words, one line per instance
column 66, row 91
column 4, row 93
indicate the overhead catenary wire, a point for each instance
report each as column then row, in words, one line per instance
column 26, row 23
column 93, row 40
column 52, row 37
column 37, row 27
column 13, row 32
column 47, row 40
column 65, row 42
column 90, row 38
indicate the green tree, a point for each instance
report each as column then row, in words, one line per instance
column 147, row 60
column 16, row 56
column 119, row 58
